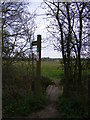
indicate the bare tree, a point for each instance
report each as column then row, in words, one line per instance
column 18, row 29
column 66, row 28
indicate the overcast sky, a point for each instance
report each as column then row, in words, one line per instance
column 41, row 29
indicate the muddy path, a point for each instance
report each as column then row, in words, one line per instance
column 50, row 111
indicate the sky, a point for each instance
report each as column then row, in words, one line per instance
column 47, row 50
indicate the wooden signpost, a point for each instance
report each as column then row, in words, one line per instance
column 34, row 43
column 38, row 68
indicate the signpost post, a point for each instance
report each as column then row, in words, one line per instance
column 33, row 75
column 38, row 68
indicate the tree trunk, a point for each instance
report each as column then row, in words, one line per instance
column 79, row 53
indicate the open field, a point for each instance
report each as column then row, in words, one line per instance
column 52, row 69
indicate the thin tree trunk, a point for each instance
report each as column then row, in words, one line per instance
column 79, row 52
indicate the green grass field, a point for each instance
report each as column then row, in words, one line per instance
column 52, row 69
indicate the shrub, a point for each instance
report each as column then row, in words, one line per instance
column 46, row 81
column 25, row 106
column 73, row 108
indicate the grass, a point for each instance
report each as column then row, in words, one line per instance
column 52, row 69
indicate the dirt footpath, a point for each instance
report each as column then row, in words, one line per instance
column 50, row 111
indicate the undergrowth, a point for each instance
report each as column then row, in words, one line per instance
column 23, row 107
column 17, row 97
column 73, row 108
